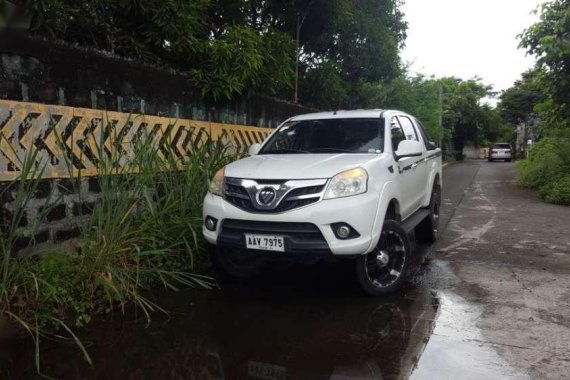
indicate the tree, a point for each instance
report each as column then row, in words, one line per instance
column 517, row 103
column 242, row 62
column 549, row 41
column 211, row 41
column 235, row 48
column 416, row 95
column 493, row 127
column 352, row 41
column 462, row 110
column 324, row 87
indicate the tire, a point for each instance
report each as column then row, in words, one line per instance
column 508, row 160
column 428, row 229
column 383, row 270
column 237, row 263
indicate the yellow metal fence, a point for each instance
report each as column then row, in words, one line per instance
column 66, row 141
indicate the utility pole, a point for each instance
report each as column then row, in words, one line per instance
column 300, row 22
column 298, row 30
column 440, row 98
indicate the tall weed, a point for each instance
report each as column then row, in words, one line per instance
column 144, row 231
column 547, row 168
column 21, row 284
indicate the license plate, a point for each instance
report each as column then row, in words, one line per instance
column 265, row 242
column 266, row 371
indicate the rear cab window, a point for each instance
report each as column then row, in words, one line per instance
column 408, row 128
column 397, row 134
column 428, row 142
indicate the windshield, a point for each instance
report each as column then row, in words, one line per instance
column 501, row 146
column 364, row 135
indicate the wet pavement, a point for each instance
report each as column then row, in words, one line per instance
column 511, row 253
column 312, row 322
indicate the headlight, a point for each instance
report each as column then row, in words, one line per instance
column 345, row 184
column 217, row 184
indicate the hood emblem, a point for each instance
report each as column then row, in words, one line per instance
column 266, row 195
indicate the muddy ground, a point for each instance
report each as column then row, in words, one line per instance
column 492, row 302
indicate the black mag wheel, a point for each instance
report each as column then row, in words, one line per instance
column 239, row 263
column 383, row 270
column 427, row 230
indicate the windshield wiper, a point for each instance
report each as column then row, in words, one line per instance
column 331, row 150
column 284, row 151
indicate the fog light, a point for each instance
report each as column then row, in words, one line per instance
column 343, row 232
column 211, row 223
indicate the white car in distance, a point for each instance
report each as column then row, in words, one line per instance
column 353, row 185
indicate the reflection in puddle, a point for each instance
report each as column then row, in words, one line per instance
column 235, row 337
column 279, row 333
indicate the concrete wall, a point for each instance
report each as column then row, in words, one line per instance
column 55, row 212
column 474, row 152
column 40, row 71
column 471, row 152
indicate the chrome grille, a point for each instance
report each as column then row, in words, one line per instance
column 288, row 194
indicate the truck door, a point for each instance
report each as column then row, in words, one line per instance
column 412, row 169
column 405, row 181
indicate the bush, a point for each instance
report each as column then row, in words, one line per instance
column 557, row 191
column 547, row 169
column 548, row 160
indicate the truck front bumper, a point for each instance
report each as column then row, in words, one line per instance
column 305, row 230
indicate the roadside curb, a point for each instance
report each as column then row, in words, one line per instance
column 443, row 166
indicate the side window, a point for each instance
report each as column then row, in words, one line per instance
column 396, row 132
column 408, row 127
column 428, row 142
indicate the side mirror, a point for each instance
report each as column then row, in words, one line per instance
column 408, row 148
column 254, row 149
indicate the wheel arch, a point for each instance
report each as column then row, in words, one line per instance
column 393, row 210
column 388, row 205
column 435, row 178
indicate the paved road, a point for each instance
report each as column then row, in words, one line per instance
column 492, row 303
column 511, row 253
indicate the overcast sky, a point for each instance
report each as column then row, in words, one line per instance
column 467, row 38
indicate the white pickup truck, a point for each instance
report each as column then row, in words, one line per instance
column 345, row 184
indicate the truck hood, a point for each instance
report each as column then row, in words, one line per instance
column 295, row 166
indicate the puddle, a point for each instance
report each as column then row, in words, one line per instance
column 313, row 325
column 458, row 350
